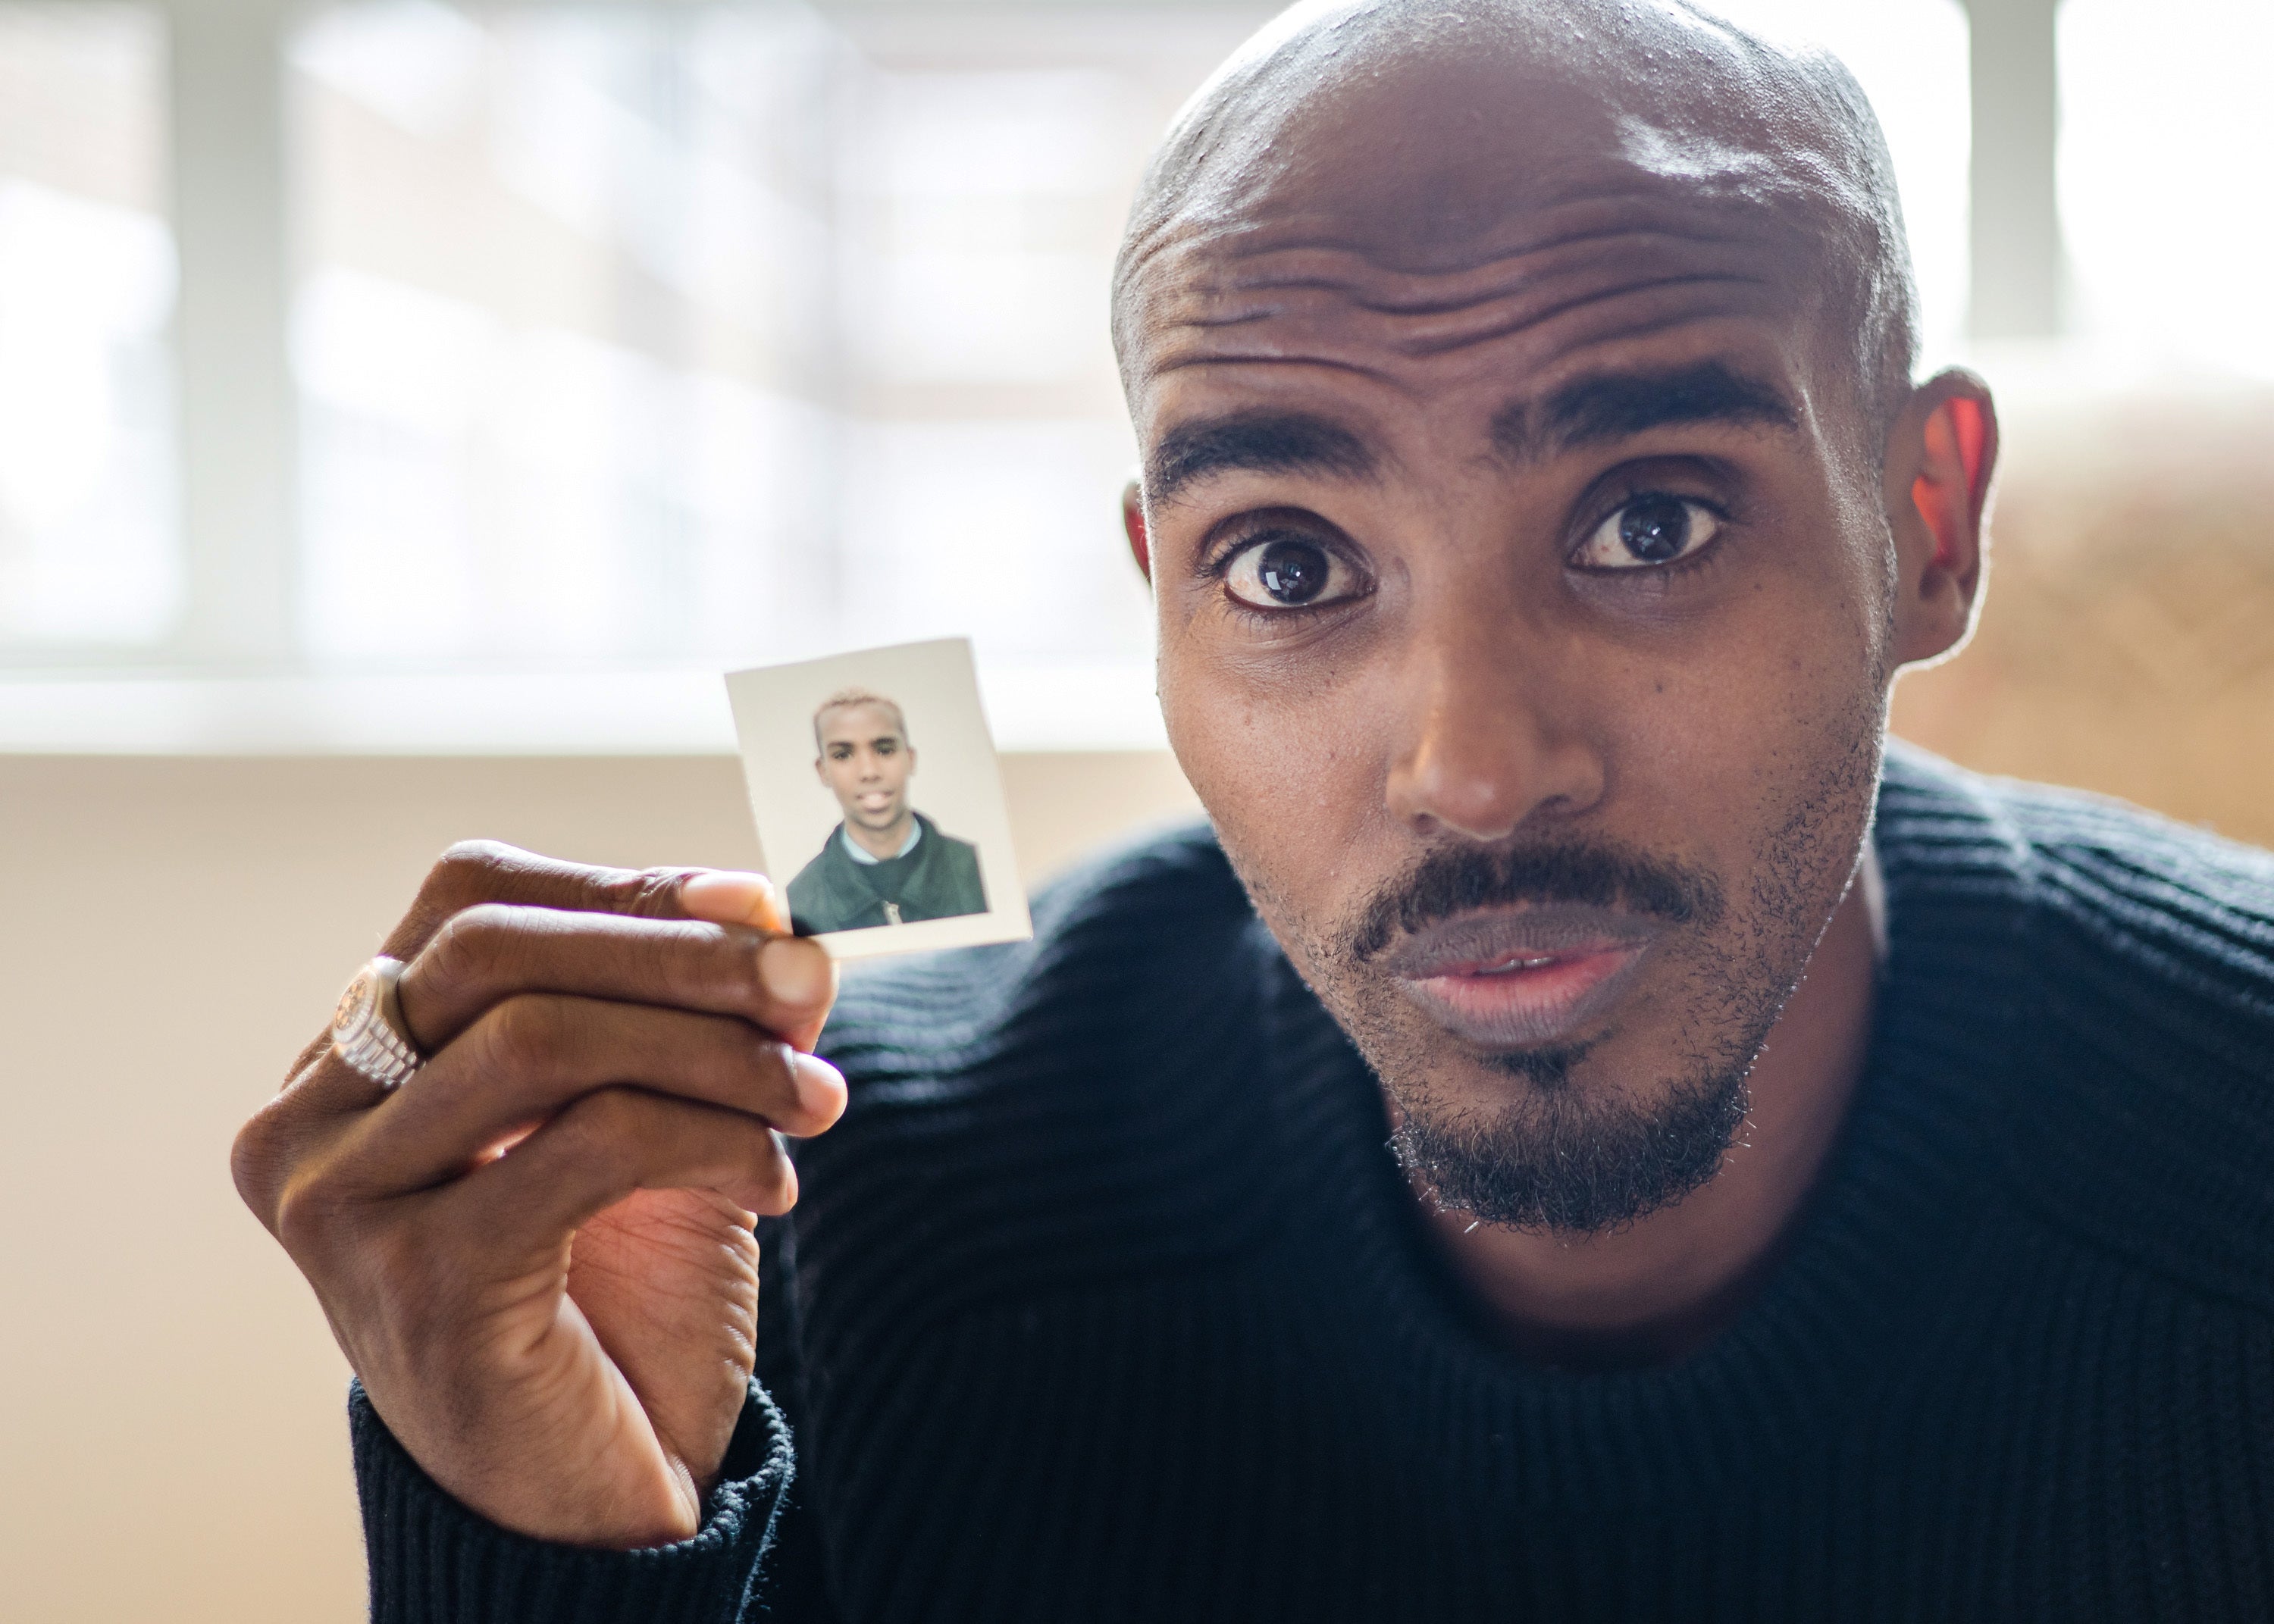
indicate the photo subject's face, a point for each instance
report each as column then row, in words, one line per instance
column 866, row 763
column 1522, row 629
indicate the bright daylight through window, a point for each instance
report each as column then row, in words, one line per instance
column 637, row 340
column 88, row 538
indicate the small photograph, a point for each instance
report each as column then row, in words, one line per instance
column 878, row 802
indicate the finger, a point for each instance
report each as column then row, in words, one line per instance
column 288, row 1131
column 496, row 951
column 605, row 1147
column 479, row 871
column 535, row 1056
column 729, row 897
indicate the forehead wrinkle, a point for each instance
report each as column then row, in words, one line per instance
column 1653, row 208
column 1321, row 334
column 1176, row 362
column 1341, row 253
column 1315, row 289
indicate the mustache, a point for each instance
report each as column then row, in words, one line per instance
column 1454, row 880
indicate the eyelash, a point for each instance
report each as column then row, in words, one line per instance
column 1255, row 535
column 1704, row 557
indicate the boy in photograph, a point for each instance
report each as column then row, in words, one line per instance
column 886, row 863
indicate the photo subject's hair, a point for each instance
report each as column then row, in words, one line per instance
column 845, row 698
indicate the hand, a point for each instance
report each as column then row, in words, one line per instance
column 537, row 1253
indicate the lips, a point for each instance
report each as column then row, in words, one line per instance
column 1518, row 978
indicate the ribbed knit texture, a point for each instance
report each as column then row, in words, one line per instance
column 1106, row 1301
column 432, row 1558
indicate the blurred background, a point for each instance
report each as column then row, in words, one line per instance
column 407, row 411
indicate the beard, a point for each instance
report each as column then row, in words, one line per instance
column 1577, row 1138
column 1556, row 1158
column 1554, row 1151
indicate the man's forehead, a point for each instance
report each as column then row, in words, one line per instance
column 1483, row 179
column 1331, row 278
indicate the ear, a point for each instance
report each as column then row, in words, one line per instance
column 821, row 768
column 1132, row 525
column 1941, row 456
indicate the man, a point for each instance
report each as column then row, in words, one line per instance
column 886, row 863
column 1816, row 1186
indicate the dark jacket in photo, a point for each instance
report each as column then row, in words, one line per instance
column 937, row 879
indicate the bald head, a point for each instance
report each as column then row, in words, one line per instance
column 1459, row 167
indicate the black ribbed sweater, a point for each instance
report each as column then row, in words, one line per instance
column 1105, row 1300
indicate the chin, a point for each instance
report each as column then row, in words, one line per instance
column 1550, row 1141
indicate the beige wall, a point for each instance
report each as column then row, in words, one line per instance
column 171, row 1444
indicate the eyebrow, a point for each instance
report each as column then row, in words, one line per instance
column 1263, row 442
column 1613, row 406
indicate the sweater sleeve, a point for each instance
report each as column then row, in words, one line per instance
column 433, row 1561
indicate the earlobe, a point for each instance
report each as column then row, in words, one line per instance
column 1132, row 525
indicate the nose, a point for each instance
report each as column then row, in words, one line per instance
column 1493, row 741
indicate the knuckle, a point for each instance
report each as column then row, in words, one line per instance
column 528, row 1035
column 734, row 961
column 601, row 1123
column 253, row 1159
column 470, row 950
column 470, row 871
column 716, row 965
column 654, row 893
column 473, row 859
column 467, row 872
column 308, row 1215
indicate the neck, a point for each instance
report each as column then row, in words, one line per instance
column 885, row 842
column 1663, row 1286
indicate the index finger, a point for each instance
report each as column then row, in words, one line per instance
column 477, row 871
column 497, row 951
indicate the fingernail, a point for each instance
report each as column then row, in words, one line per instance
column 795, row 972
column 729, row 897
column 820, row 1087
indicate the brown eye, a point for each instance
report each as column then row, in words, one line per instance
column 1289, row 572
column 1653, row 529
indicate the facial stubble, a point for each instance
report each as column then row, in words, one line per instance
column 1563, row 1145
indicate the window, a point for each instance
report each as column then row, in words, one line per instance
column 688, row 335
column 2166, row 135
column 1911, row 58
column 621, row 342
column 563, row 337
column 89, row 558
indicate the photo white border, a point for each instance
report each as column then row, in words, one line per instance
column 773, row 710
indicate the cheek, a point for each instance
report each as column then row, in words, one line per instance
column 1288, row 775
